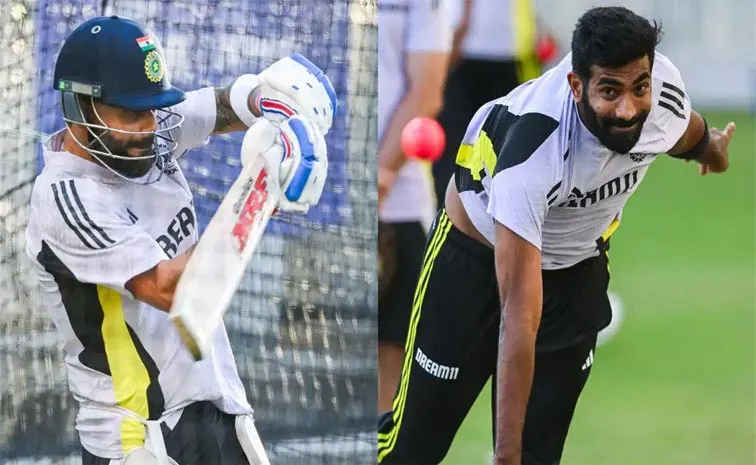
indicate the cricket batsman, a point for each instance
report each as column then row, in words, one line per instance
column 112, row 225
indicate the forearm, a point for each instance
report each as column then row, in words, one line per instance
column 459, row 36
column 226, row 119
column 703, row 151
column 416, row 103
column 460, row 32
column 518, row 272
column 168, row 277
column 157, row 286
column 517, row 336
column 695, row 144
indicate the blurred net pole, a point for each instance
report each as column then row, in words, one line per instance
column 303, row 322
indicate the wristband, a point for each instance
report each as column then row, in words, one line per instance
column 239, row 97
column 699, row 148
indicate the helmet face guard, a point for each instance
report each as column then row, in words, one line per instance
column 100, row 143
column 138, row 80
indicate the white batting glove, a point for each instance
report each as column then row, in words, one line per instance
column 305, row 165
column 295, row 86
column 298, row 148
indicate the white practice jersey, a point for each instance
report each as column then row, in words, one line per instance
column 91, row 231
column 535, row 168
column 407, row 27
column 496, row 28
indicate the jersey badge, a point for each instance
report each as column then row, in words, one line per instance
column 639, row 157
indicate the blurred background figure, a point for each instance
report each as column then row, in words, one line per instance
column 686, row 301
column 498, row 44
column 414, row 41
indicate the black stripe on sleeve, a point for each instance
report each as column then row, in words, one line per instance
column 94, row 226
column 672, row 99
column 516, row 137
column 672, row 109
column 676, row 89
column 75, row 215
column 62, row 211
column 132, row 216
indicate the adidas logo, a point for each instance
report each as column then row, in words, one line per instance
column 588, row 361
column 673, row 99
column 132, row 216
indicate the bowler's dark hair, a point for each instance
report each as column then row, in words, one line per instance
column 612, row 37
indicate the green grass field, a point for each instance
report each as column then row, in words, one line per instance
column 677, row 385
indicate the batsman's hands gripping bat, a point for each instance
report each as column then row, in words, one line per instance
column 283, row 168
column 303, row 167
column 295, row 86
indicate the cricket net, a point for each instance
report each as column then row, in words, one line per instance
column 303, row 322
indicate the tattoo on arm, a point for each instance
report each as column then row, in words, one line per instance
column 225, row 119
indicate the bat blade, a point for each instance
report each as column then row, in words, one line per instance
column 218, row 262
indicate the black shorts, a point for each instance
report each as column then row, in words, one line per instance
column 401, row 256
column 451, row 350
column 203, row 435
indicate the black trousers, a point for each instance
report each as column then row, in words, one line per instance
column 203, row 435
column 452, row 347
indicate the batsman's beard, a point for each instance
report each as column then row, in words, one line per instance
column 133, row 166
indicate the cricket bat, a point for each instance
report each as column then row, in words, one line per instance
column 220, row 258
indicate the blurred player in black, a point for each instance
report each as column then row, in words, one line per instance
column 498, row 44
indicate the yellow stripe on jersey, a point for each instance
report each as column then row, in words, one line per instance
column 605, row 237
column 611, row 229
column 129, row 373
column 475, row 157
column 387, row 441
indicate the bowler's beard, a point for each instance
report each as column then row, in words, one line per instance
column 130, row 168
column 601, row 128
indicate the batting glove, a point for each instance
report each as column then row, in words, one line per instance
column 297, row 151
column 295, row 86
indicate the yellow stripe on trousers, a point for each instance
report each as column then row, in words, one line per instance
column 437, row 233
column 433, row 247
column 129, row 374
column 387, row 441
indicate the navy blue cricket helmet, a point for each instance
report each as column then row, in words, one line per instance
column 117, row 61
